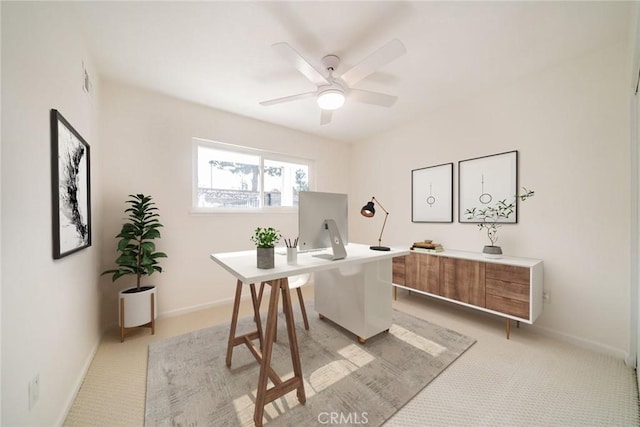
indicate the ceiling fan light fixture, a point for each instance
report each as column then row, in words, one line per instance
column 331, row 99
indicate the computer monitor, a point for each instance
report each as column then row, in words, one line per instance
column 323, row 222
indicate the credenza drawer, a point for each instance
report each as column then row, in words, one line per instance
column 508, row 306
column 509, row 290
column 507, row 273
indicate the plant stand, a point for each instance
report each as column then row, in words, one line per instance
column 124, row 330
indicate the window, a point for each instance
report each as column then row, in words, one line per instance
column 228, row 177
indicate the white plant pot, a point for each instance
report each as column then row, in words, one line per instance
column 137, row 306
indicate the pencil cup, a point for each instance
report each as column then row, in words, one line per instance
column 292, row 256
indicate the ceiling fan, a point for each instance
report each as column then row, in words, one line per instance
column 332, row 91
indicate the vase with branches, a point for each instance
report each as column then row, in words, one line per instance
column 490, row 218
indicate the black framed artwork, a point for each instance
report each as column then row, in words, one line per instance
column 432, row 194
column 70, row 188
column 485, row 181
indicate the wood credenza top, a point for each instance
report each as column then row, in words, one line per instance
column 478, row 256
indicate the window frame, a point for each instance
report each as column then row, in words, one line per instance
column 263, row 155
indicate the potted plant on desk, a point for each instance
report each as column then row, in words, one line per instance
column 138, row 257
column 265, row 240
column 489, row 218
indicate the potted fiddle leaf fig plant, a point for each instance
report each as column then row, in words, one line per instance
column 138, row 257
column 489, row 220
column 265, row 240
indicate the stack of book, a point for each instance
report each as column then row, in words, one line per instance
column 427, row 246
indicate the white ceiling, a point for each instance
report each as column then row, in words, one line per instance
column 219, row 53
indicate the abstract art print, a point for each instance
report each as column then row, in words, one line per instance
column 485, row 181
column 70, row 187
column 432, row 194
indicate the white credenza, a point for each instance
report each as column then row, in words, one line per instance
column 509, row 287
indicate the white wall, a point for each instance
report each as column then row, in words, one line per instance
column 0, row 222
column 570, row 125
column 148, row 149
column 635, row 294
column 636, row 261
column 49, row 321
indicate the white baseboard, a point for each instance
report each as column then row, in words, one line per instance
column 94, row 350
column 186, row 310
column 578, row 341
column 585, row 343
column 78, row 382
column 581, row 342
column 217, row 303
column 198, row 307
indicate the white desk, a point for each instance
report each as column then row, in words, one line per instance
column 354, row 292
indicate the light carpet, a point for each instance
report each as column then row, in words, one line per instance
column 188, row 383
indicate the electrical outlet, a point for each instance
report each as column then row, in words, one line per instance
column 546, row 297
column 34, row 391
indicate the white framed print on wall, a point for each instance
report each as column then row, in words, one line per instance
column 70, row 188
column 485, row 181
column 432, row 194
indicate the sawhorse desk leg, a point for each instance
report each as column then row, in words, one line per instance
column 233, row 340
column 263, row 355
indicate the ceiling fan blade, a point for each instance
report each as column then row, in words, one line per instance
column 373, row 62
column 374, row 98
column 288, row 98
column 301, row 64
column 325, row 116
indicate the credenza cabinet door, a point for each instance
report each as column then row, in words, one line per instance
column 463, row 280
column 399, row 270
column 423, row 273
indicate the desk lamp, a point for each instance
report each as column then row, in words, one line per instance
column 369, row 211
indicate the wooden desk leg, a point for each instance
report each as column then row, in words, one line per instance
column 260, row 302
column 508, row 327
column 266, row 351
column 256, row 313
column 234, row 322
column 260, row 293
column 302, row 309
column 293, row 340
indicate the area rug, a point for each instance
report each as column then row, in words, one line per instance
column 346, row 383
